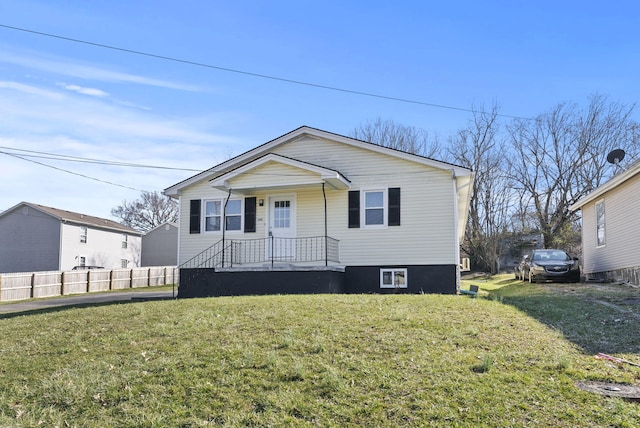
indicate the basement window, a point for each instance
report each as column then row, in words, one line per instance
column 393, row 278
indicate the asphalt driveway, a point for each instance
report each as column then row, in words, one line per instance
column 84, row 299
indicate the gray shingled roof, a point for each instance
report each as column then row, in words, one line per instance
column 82, row 219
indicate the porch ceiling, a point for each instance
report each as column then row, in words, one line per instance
column 278, row 172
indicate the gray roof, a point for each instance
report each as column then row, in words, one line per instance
column 78, row 218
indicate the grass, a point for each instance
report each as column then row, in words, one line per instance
column 508, row 358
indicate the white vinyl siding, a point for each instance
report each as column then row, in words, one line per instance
column 103, row 248
column 622, row 234
column 427, row 234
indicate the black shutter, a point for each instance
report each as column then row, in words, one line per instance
column 194, row 216
column 394, row 206
column 354, row 208
column 249, row 215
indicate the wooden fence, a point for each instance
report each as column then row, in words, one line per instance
column 28, row 285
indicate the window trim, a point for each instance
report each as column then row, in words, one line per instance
column 363, row 208
column 223, row 216
column 599, row 225
column 393, row 272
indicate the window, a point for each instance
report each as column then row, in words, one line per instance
column 83, row 234
column 213, row 215
column 233, row 215
column 600, row 232
column 124, row 240
column 83, row 261
column 374, row 207
column 393, row 278
column 124, row 263
column 282, row 214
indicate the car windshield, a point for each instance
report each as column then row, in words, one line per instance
column 550, row 255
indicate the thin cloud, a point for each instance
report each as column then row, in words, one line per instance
column 84, row 91
column 28, row 89
column 68, row 67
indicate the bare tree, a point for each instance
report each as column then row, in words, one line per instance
column 148, row 212
column 561, row 156
column 390, row 134
column 480, row 147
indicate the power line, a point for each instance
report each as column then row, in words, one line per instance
column 259, row 75
column 69, row 158
column 74, row 173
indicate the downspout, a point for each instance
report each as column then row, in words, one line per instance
column 223, row 223
column 457, row 232
column 326, row 240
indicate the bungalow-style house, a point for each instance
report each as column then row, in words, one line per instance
column 38, row 238
column 160, row 246
column 611, row 228
column 316, row 212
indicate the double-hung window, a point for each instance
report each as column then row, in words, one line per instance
column 213, row 211
column 374, row 207
column 600, row 225
column 125, row 240
column 83, row 234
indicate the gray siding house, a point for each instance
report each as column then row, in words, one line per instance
column 37, row 238
column 160, row 246
column 611, row 228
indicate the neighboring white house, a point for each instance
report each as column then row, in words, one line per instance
column 38, row 238
column 611, row 228
column 377, row 219
column 160, row 246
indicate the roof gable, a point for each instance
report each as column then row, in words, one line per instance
column 78, row 218
column 301, row 132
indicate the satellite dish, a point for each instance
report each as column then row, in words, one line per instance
column 615, row 156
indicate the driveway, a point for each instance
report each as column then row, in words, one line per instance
column 84, row 299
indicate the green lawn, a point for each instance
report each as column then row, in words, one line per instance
column 510, row 357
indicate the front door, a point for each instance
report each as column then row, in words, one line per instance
column 282, row 228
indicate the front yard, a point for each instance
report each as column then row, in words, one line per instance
column 510, row 357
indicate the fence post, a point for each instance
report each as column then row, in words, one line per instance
column 33, row 284
column 131, row 278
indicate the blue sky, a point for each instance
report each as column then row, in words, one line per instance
column 75, row 99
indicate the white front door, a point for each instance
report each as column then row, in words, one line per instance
column 282, row 227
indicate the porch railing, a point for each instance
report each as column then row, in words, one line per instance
column 236, row 252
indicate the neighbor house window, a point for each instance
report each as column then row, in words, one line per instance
column 213, row 215
column 124, row 240
column 393, row 278
column 124, row 263
column 83, row 261
column 600, row 230
column 83, row 234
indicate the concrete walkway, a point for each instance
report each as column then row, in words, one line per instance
column 83, row 299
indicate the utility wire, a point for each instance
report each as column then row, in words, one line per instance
column 68, row 158
column 253, row 74
column 74, row 173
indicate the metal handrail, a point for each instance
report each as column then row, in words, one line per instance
column 267, row 250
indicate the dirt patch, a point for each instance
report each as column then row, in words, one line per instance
column 607, row 389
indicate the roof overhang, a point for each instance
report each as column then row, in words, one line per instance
column 617, row 180
column 306, row 131
column 311, row 175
